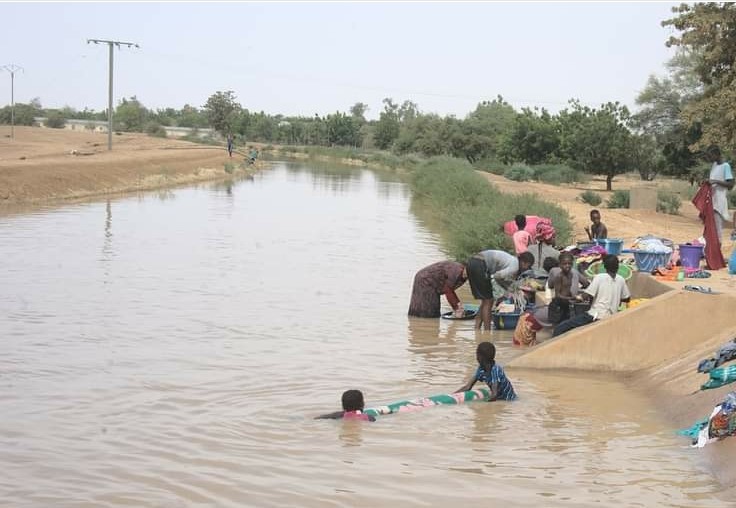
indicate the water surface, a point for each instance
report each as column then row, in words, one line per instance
column 171, row 349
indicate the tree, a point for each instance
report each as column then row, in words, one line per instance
column 357, row 111
column 130, row 115
column 597, row 140
column 342, row 130
column 387, row 127
column 55, row 119
column 533, row 138
column 221, row 110
column 484, row 127
column 709, row 30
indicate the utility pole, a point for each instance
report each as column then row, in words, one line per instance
column 110, row 44
column 12, row 69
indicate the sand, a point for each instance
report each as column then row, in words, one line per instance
column 41, row 165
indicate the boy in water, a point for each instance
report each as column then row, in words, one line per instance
column 597, row 229
column 352, row 405
column 521, row 238
column 491, row 373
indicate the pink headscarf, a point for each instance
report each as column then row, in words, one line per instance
column 545, row 232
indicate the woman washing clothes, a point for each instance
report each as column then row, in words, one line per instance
column 544, row 246
column 441, row 278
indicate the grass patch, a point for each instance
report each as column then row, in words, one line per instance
column 668, row 202
column 229, row 168
column 619, row 199
column 473, row 211
column 591, row 198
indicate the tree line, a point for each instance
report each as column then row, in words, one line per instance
column 679, row 114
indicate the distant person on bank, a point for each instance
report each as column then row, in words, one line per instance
column 607, row 290
column 488, row 266
column 441, row 278
column 230, row 145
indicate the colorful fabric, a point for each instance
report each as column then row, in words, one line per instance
column 425, row 402
column 432, row 281
column 525, row 333
column 720, row 424
column 497, row 375
column 703, row 201
column 545, row 232
column 720, row 376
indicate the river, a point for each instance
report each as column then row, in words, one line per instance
column 171, row 349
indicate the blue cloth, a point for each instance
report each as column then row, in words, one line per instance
column 497, row 375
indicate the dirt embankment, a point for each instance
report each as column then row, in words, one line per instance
column 45, row 165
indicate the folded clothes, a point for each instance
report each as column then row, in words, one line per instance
column 725, row 353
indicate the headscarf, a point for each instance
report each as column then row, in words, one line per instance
column 545, row 232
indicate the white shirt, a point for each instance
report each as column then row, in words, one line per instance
column 720, row 172
column 607, row 294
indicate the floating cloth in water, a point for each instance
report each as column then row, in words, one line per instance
column 693, row 431
column 434, row 400
column 720, row 376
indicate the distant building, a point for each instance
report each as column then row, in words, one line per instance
column 101, row 126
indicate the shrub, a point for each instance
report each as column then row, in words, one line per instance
column 619, row 199
column 591, row 198
column 491, row 166
column 556, row 174
column 229, row 168
column 519, row 173
column 55, row 120
column 668, row 202
column 155, row 129
column 474, row 210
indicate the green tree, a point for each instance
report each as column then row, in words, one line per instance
column 357, row 111
column 55, row 119
column 387, row 128
column 533, row 138
column 597, row 140
column 222, row 110
column 342, row 130
column 660, row 116
column 130, row 115
column 483, row 129
column 709, row 30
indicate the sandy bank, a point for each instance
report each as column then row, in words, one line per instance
column 47, row 165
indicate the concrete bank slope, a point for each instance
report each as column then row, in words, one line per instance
column 656, row 347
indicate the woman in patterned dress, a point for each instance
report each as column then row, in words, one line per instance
column 441, row 278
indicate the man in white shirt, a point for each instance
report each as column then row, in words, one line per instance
column 607, row 290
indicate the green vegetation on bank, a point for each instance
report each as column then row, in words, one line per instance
column 473, row 211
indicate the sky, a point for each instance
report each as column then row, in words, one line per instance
column 306, row 58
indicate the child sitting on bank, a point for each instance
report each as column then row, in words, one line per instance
column 352, row 405
column 597, row 229
column 566, row 283
column 491, row 373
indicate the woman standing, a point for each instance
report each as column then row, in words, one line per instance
column 432, row 281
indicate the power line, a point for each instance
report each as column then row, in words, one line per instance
column 110, row 45
column 12, row 69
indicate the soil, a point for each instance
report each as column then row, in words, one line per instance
column 48, row 165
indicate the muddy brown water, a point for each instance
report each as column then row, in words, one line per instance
column 171, row 349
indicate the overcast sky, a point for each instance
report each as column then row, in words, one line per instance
column 306, row 58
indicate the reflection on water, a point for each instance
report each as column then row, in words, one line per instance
column 173, row 351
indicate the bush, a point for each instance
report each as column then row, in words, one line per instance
column 155, row 129
column 668, row 202
column 55, row 120
column 519, row 173
column 491, row 166
column 591, row 198
column 619, row 199
column 556, row 174
column 474, row 210
column 229, row 168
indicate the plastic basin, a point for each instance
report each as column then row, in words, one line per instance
column 612, row 245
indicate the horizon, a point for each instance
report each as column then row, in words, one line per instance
column 302, row 59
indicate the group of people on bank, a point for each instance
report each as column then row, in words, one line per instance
column 495, row 273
